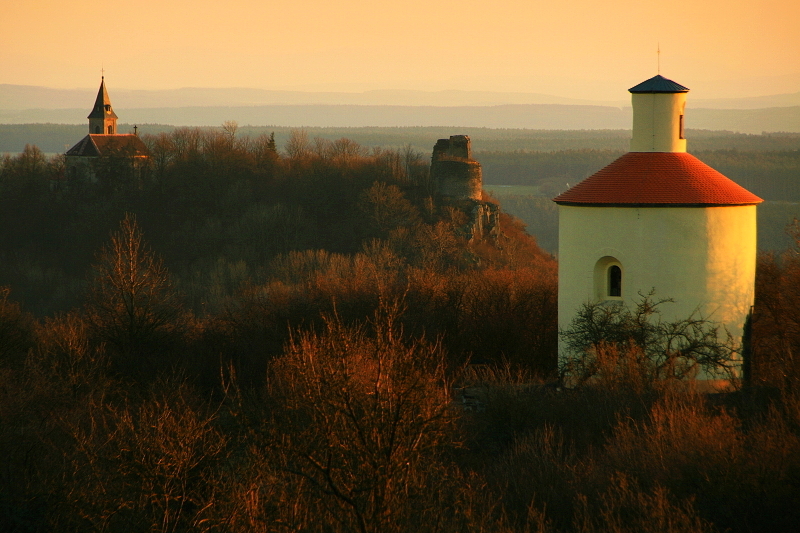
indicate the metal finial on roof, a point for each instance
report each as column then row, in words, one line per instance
column 658, row 53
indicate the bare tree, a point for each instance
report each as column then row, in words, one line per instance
column 661, row 349
column 131, row 305
column 145, row 466
column 230, row 127
column 298, row 146
column 365, row 418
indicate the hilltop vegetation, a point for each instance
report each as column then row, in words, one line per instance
column 246, row 340
column 51, row 138
column 545, row 161
column 234, row 220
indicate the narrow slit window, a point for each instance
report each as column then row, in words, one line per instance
column 614, row 281
column 111, row 130
column 680, row 128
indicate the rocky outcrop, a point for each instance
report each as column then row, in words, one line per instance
column 458, row 181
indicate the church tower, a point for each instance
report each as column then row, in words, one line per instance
column 102, row 119
column 104, row 143
column 659, row 219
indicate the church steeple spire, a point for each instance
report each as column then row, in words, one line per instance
column 102, row 119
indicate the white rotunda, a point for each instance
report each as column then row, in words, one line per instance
column 659, row 219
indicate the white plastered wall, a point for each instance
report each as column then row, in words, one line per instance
column 702, row 257
column 657, row 122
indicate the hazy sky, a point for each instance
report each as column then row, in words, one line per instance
column 574, row 48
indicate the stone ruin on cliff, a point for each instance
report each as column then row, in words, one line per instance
column 458, row 182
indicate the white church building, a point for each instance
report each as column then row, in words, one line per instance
column 659, row 219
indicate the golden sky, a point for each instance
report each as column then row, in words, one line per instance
column 573, row 48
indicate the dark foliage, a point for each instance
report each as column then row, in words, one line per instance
column 347, row 361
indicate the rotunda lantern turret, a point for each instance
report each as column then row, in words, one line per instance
column 658, row 108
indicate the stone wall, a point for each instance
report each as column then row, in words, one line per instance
column 454, row 173
column 457, row 146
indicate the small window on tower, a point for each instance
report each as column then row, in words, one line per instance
column 614, row 281
column 680, row 128
column 110, row 130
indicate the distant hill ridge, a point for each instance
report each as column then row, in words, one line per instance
column 531, row 116
column 20, row 104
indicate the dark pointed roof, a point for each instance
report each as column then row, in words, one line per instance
column 659, row 84
column 84, row 147
column 99, row 109
column 94, row 145
column 653, row 179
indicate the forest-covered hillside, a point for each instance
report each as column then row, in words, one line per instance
column 52, row 138
column 544, row 161
column 254, row 336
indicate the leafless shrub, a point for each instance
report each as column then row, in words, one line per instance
column 625, row 507
column 144, row 466
column 364, row 419
column 657, row 349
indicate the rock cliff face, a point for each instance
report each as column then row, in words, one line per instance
column 458, row 180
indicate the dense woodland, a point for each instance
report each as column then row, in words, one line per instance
column 56, row 138
column 243, row 338
column 544, row 161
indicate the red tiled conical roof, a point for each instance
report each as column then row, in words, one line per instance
column 657, row 179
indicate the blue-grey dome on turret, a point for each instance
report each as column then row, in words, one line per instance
column 659, row 84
